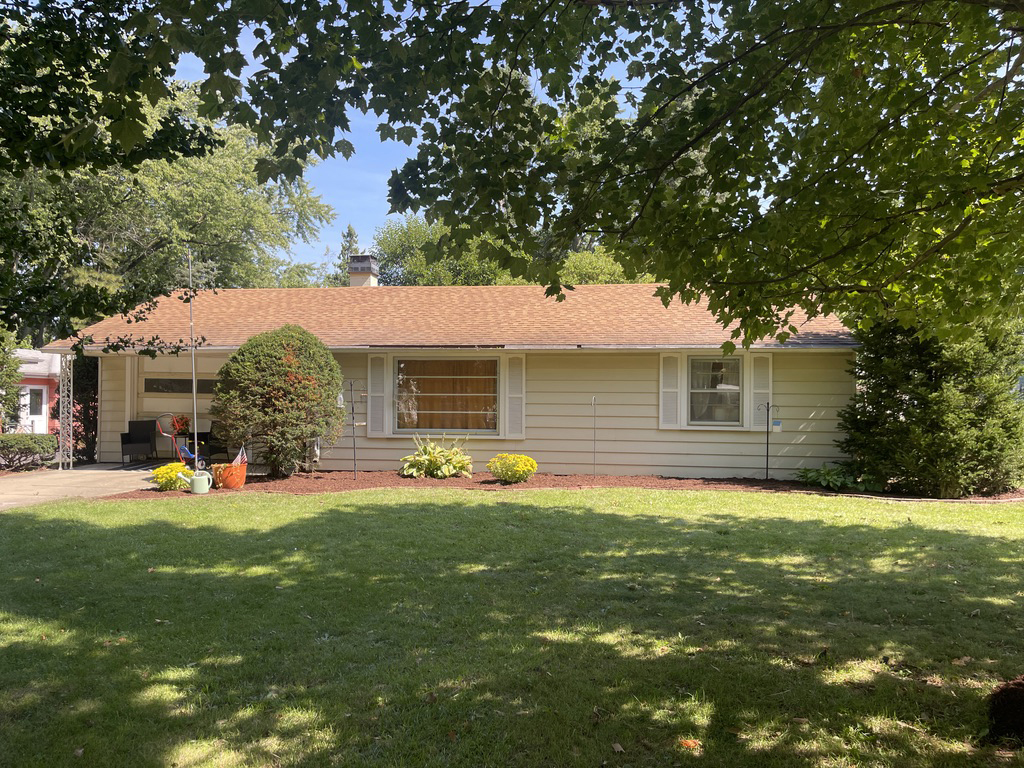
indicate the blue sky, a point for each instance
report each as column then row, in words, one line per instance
column 357, row 189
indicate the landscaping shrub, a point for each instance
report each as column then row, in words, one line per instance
column 10, row 378
column 435, row 459
column 279, row 390
column 841, row 476
column 18, row 451
column 512, row 468
column 938, row 418
column 166, row 477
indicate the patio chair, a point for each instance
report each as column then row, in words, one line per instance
column 211, row 443
column 139, row 440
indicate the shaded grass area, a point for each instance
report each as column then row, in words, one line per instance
column 617, row 627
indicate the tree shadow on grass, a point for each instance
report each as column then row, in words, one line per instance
column 498, row 633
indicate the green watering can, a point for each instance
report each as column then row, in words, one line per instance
column 200, row 482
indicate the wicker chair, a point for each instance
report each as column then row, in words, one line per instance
column 139, row 440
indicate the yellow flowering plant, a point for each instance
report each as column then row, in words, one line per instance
column 512, row 468
column 166, row 477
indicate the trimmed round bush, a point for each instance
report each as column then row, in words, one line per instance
column 279, row 394
column 511, row 468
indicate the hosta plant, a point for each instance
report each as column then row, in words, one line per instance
column 839, row 477
column 435, row 459
column 166, row 477
column 512, row 468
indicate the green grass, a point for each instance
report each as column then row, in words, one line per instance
column 403, row 628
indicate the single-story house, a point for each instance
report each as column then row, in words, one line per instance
column 608, row 380
column 40, row 373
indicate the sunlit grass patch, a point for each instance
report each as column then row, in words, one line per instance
column 459, row 628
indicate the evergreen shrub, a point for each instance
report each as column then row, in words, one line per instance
column 19, row 451
column 279, row 391
column 939, row 418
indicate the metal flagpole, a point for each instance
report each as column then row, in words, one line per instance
column 192, row 350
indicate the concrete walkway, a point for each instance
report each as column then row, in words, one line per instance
column 92, row 480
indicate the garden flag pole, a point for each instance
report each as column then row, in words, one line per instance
column 767, row 432
column 192, row 349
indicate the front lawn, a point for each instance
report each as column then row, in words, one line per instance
column 547, row 628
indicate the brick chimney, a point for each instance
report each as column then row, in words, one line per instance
column 362, row 270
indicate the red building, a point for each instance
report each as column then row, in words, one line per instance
column 40, row 373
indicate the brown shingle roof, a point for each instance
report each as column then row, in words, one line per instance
column 451, row 316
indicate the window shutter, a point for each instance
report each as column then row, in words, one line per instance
column 376, row 396
column 670, row 390
column 515, row 396
column 761, row 390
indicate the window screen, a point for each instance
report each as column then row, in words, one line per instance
column 715, row 390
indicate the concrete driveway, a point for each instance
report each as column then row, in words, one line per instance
column 89, row 481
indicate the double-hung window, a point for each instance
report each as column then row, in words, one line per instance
column 715, row 385
column 703, row 391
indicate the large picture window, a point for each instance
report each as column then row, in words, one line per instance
column 714, row 391
column 458, row 395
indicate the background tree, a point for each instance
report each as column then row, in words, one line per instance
column 938, row 418
column 596, row 266
column 405, row 256
column 349, row 247
column 401, row 249
column 279, row 392
column 10, row 378
column 859, row 157
column 88, row 244
column 301, row 274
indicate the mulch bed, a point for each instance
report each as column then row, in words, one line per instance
column 335, row 482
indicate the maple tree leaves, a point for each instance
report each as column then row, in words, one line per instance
column 854, row 157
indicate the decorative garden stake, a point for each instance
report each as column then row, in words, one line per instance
column 352, row 408
column 767, row 407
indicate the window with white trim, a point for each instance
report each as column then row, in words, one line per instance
column 715, row 387
column 699, row 390
column 446, row 395
column 35, row 401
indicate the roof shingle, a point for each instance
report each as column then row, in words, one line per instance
column 515, row 316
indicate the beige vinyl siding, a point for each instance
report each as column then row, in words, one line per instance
column 809, row 388
column 112, row 421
